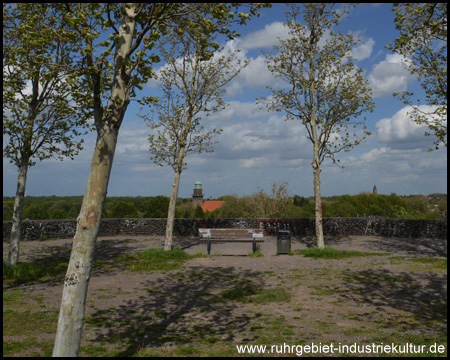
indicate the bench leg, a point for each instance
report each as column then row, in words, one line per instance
column 208, row 246
column 254, row 245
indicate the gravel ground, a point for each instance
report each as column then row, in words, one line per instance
column 331, row 300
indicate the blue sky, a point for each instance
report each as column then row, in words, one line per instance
column 258, row 147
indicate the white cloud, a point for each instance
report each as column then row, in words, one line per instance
column 133, row 140
column 254, row 138
column 255, row 76
column 403, row 171
column 264, row 38
column 389, row 75
column 363, row 50
column 399, row 132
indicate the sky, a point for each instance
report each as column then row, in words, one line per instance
column 257, row 147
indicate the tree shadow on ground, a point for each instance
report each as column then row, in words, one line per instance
column 423, row 295
column 404, row 246
column 181, row 307
column 106, row 253
column 411, row 247
column 56, row 259
column 311, row 241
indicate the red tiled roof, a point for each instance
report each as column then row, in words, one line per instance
column 211, row 205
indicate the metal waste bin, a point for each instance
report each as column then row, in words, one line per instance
column 284, row 241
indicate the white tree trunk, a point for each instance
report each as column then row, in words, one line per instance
column 173, row 199
column 71, row 314
column 318, row 209
column 316, row 162
column 13, row 257
column 171, row 214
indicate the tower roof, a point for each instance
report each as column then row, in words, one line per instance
column 197, row 185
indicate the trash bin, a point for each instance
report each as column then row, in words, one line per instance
column 284, row 241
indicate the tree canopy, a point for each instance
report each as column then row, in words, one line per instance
column 42, row 117
column 423, row 43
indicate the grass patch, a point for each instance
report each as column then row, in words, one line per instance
column 12, row 297
column 156, row 260
column 26, row 322
column 34, row 271
column 240, row 294
column 271, row 295
column 250, row 294
column 31, row 346
column 424, row 264
column 256, row 254
column 327, row 291
column 95, row 351
column 24, row 317
column 329, row 253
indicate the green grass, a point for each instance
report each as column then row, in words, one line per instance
column 156, row 260
column 256, row 254
column 22, row 315
column 329, row 253
column 34, row 271
column 145, row 261
column 25, row 318
column 421, row 264
column 249, row 294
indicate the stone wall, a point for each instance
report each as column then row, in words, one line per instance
column 300, row 227
column 405, row 228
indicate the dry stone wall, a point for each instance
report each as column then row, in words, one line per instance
column 300, row 227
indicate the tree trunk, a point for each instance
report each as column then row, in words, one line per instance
column 318, row 208
column 173, row 200
column 13, row 257
column 71, row 314
column 316, row 159
column 317, row 198
column 171, row 214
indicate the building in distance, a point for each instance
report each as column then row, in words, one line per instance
column 206, row 205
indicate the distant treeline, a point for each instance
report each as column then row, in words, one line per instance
column 260, row 205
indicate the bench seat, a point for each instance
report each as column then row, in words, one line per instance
column 210, row 236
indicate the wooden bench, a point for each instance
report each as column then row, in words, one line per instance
column 210, row 236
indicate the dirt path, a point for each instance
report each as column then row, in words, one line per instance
column 389, row 297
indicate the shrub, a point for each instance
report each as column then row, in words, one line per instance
column 35, row 212
column 157, row 207
column 123, row 210
column 58, row 214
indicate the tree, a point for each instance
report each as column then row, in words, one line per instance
column 58, row 214
column 325, row 91
column 7, row 212
column 423, row 43
column 61, row 205
column 112, row 79
column 193, row 82
column 198, row 212
column 157, row 207
column 124, row 210
column 36, row 212
column 40, row 116
column 276, row 205
column 234, row 207
column 184, row 210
